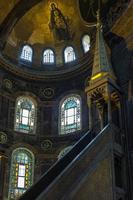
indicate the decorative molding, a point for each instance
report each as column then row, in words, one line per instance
column 3, row 138
column 115, row 97
column 66, row 72
column 48, row 93
column 46, row 145
column 8, row 84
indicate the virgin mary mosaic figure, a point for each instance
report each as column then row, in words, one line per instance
column 59, row 24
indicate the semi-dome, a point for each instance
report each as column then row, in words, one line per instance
column 49, row 36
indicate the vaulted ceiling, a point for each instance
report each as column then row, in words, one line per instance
column 36, row 22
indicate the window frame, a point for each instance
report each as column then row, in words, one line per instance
column 69, row 62
column 14, row 155
column 48, row 63
column 85, row 34
column 60, row 114
column 64, row 151
column 33, row 132
column 23, row 60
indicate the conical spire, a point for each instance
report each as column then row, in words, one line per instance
column 101, row 66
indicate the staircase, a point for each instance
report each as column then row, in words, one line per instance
column 83, row 173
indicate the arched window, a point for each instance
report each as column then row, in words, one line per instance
column 69, row 54
column 21, row 172
column 48, row 56
column 64, row 152
column 26, row 53
column 70, row 114
column 25, row 115
column 86, row 43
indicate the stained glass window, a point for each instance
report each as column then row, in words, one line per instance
column 86, row 43
column 70, row 115
column 26, row 53
column 69, row 54
column 25, row 115
column 48, row 56
column 21, row 174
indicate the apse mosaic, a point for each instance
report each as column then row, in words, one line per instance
column 5, row 8
column 59, row 24
column 47, row 22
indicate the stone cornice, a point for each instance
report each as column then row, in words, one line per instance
column 60, row 73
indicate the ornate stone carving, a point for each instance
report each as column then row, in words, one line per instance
column 98, row 93
column 115, row 97
column 46, row 145
column 7, row 84
column 3, row 138
column 48, row 93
